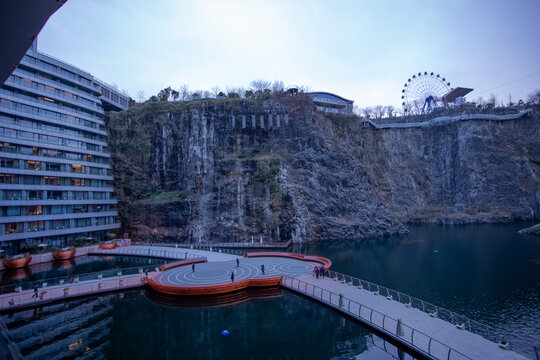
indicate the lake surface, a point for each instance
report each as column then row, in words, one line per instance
column 78, row 265
column 487, row 272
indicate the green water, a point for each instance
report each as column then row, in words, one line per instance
column 487, row 272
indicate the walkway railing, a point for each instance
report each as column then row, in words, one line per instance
column 223, row 245
column 74, row 279
column 163, row 254
column 406, row 334
column 235, row 251
column 516, row 343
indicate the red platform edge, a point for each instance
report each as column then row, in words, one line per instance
column 233, row 286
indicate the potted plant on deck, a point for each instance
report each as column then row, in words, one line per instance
column 64, row 253
column 23, row 259
column 110, row 243
column 504, row 344
column 460, row 325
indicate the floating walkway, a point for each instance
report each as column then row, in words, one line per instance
column 213, row 278
column 388, row 312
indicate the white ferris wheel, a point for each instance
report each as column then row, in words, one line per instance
column 423, row 92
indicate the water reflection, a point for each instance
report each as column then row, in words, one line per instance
column 75, row 266
column 261, row 324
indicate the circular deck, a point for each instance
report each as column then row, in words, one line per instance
column 215, row 277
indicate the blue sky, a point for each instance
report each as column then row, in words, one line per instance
column 362, row 50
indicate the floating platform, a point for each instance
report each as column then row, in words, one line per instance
column 215, row 277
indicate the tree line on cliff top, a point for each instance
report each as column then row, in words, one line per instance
column 263, row 89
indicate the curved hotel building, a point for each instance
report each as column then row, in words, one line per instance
column 55, row 174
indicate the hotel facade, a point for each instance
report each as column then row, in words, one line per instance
column 56, row 182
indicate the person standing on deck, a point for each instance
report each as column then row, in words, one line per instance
column 237, row 262
column 262, row 268
column 232, row 276
column 193, row 267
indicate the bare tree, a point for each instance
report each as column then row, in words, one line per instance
column 260, row 85
column 206, row 94
column 184, row 92
column 278, row 87
column 378, row 111
column 390, row 110
column 140, row 96
column 216, row 90
column 357, row 110
column 534, row 97
column 492, row 99
column 368, row 113
column 510, row 103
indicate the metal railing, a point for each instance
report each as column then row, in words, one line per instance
column 515, row 343
column 74, row 279
column 162, row 254
column 212, row 248
column 406, row 334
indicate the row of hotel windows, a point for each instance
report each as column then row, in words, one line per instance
column 51, row 153
column 22, row 81
column 54, row 209
column 57, row 69
column 48, row 127
column 56, row 81
column 54, row 195
column 114, row 97
column 46, row 101
column 56, row 241
column 49, row 139
column 52, row 180
column 41, row 225
column 5, row 103
column 47, row 166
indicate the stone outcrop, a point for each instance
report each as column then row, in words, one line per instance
column 190, row 171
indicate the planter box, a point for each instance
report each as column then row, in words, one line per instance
column 460, row 326
column 107, row 246
column 504, row 346
column 64, row 254
column 433, row 314
column 376, row 292
column 61, row 282
column 408, row 305
column 17, row 263
column 389, row 297
column 100, row 276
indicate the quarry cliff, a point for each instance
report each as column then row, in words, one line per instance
column 233, row 169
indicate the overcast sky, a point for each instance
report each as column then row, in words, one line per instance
column 361, row 50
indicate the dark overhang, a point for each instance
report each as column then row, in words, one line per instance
column 20, row 23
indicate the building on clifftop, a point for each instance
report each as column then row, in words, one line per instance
column 332, row 103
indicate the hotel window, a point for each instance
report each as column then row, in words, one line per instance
column 35, row 210
column 8, row 147
column 26, row 135
column 57, row 209
column 77, row 169
column 7, row 179
column 82, row 222
column 53, row 167
column 13, row 211
column 80, row 195
column 11, row 228
column 9, row 132
column 31, row 180
column 33, row 165
column 51, row 180
column 87, row 157
column 12, row 195
column 35, row 195
column 9, row 163
column 50, row 152
column 80, row 208
column 56, row 195
column 77, row 182
column 36, row 225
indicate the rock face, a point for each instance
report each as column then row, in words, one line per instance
column 189, row 171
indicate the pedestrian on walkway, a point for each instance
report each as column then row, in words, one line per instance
column 317, row 273
column 237, row 262
column 262, row 268
column 232, row 276
column 193, row 267
column 35, row 292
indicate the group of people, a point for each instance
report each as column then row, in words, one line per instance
column 232, row 273
column 319, row 271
